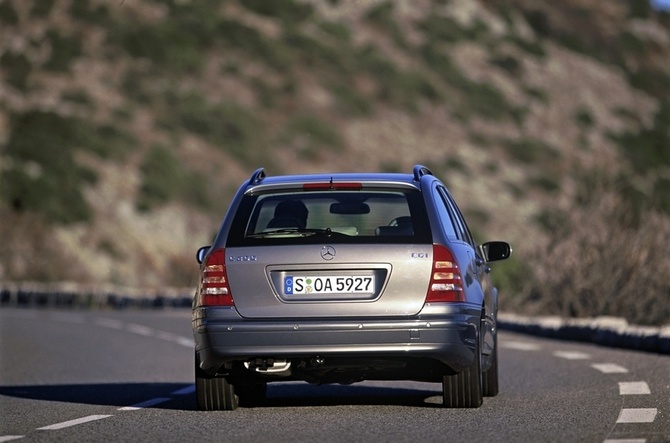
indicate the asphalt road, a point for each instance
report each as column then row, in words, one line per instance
column 128, row 376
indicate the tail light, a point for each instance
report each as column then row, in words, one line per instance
column 445, row 280
column 214, row 289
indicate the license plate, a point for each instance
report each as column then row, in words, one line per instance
column 349, row 284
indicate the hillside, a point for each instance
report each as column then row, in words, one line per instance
column 126, row 126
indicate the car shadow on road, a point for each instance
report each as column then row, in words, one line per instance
column 295, row 395
column 181, row 396
column 174, row 395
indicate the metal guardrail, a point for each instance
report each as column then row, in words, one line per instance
column 606, row 331
column 76, row 295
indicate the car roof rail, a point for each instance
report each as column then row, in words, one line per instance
column 420, row 171
column 257, row 176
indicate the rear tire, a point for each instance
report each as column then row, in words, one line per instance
column 464, row 390
column 214, row 393
column 490, row 378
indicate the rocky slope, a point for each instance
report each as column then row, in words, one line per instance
column 126, row 126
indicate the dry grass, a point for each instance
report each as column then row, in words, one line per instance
column 603, row 263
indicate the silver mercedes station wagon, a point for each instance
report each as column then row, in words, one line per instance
column 339, row 278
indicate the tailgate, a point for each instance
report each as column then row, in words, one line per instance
column 342, row 280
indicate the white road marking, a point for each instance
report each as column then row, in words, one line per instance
column 572, row 355
column 633, row 388
column 520, row 345
column 69, row 423
column 4, row 438
column 187, row 342
column 145, row 404
column 609, row 368
column 627, row 440
column 641, row 415
column 139, row 329
column 184, row 391
column 109, row 323
column 169, row 336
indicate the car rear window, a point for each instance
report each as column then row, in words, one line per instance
column 330, row 216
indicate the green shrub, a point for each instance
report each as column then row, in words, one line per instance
column 310, row 134
column 584, row 118
column 227, row 126
column 42, row 8
column 438, row 28
column 339, row 31
column 382, row 17
column 647, row 149
column 86, row 11
column 289, row 11
column 236, row 36
column 508, row 64
column 44, row 176
column 529, row 151
column 349, row 101
column 8, row 15
column 17, row 68
column 394, row 86
column 313, row 52
column 64, row 49
column 162, row 178
column 533, row 48
column 655, row 83
column 545, row 183
column 476, row 98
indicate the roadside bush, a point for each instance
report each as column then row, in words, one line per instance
column 648, row 153
column 600, row 263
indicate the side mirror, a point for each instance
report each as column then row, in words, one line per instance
column 495, row 250
column 202, row 252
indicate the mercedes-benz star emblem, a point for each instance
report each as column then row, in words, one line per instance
column 327, row 253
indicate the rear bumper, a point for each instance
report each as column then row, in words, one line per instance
column 447, row 337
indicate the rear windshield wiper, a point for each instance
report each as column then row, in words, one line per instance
column 302, row 232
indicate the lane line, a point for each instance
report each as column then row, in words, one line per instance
column 520, row 346
column 145, row 404
column 4, row 438
column 169, row 336
column 609, row 368
column 634, row 388
column 139, row 329
column 572, row 355
column 75, row 422
column 187, row 342
column 638, row 415
column 626, row 440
